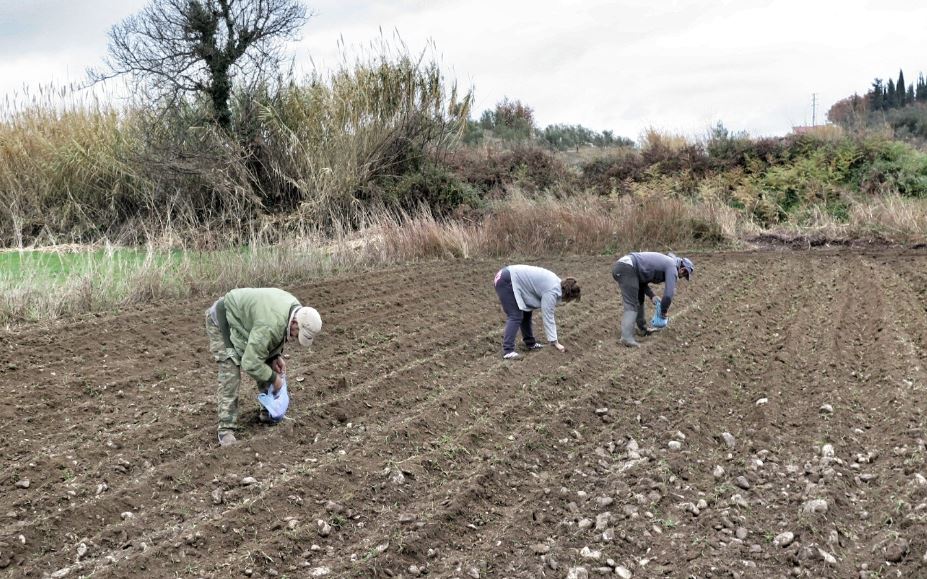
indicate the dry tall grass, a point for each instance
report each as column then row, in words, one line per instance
column 78, row 169
column 515, row 228
column 64, row 169
column 889, row 218
column 326, row 139
column 579, row 225
column 893, row 217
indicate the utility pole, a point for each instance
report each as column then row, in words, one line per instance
column 814, row 107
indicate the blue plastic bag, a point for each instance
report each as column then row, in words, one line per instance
column 658, row 321
column 275, row 404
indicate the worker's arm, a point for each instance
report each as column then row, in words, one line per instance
column 254, row 360
column 669, row 290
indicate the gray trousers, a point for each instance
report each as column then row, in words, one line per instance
column 632, row 290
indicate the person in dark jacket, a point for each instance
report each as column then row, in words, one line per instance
column 523, row 289
column 634, row 273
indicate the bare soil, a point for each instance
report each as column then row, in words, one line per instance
column 412, row 448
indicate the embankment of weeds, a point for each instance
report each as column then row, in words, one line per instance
column 514, row 228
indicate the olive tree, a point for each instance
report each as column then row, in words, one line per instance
column 174, row 48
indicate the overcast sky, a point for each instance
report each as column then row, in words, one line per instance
column 676, row 65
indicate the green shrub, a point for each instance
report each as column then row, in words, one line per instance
column 908, row 122
column 432, row 186
column 892, row 166
column 473, row 133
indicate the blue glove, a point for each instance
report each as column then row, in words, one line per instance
column 659, row 321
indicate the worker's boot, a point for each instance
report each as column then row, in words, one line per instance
column 226, row 438
column 628, row 320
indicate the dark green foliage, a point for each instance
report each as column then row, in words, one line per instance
column 900, row 90
column 473, row 133
column 909, row 122
column 876, row 95
column 881, row 97
column 892, row 166
column 564, row 137
column 432, row 186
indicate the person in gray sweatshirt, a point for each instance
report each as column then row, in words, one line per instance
column 523, row 289
column 634, row 273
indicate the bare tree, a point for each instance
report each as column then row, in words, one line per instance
column 178, row 47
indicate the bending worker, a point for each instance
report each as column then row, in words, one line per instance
column 634, row 273
column 247, row 329
column 523, row 289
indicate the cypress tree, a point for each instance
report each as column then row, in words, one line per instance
column 900, row 97
column 890, row 97
column 875, row 95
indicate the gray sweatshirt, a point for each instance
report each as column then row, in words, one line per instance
column 537, row 288
column 653, row 267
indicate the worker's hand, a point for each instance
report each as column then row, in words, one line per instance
column 559, row 347
column 278, row 365
column 278, row 383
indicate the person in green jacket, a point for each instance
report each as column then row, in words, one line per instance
column 247, row 329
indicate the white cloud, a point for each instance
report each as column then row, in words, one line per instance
column 677, row 65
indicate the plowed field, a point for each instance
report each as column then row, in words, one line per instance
column 776, row 428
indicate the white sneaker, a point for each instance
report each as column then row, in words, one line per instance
column 536, row 346
column 512, row 356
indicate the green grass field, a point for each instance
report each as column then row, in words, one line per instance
column 57, row 266
column 44, row 285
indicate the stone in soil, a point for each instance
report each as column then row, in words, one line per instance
column 784, row 539
column 729, row 439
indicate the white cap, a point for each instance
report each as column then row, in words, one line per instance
column 310, row 324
